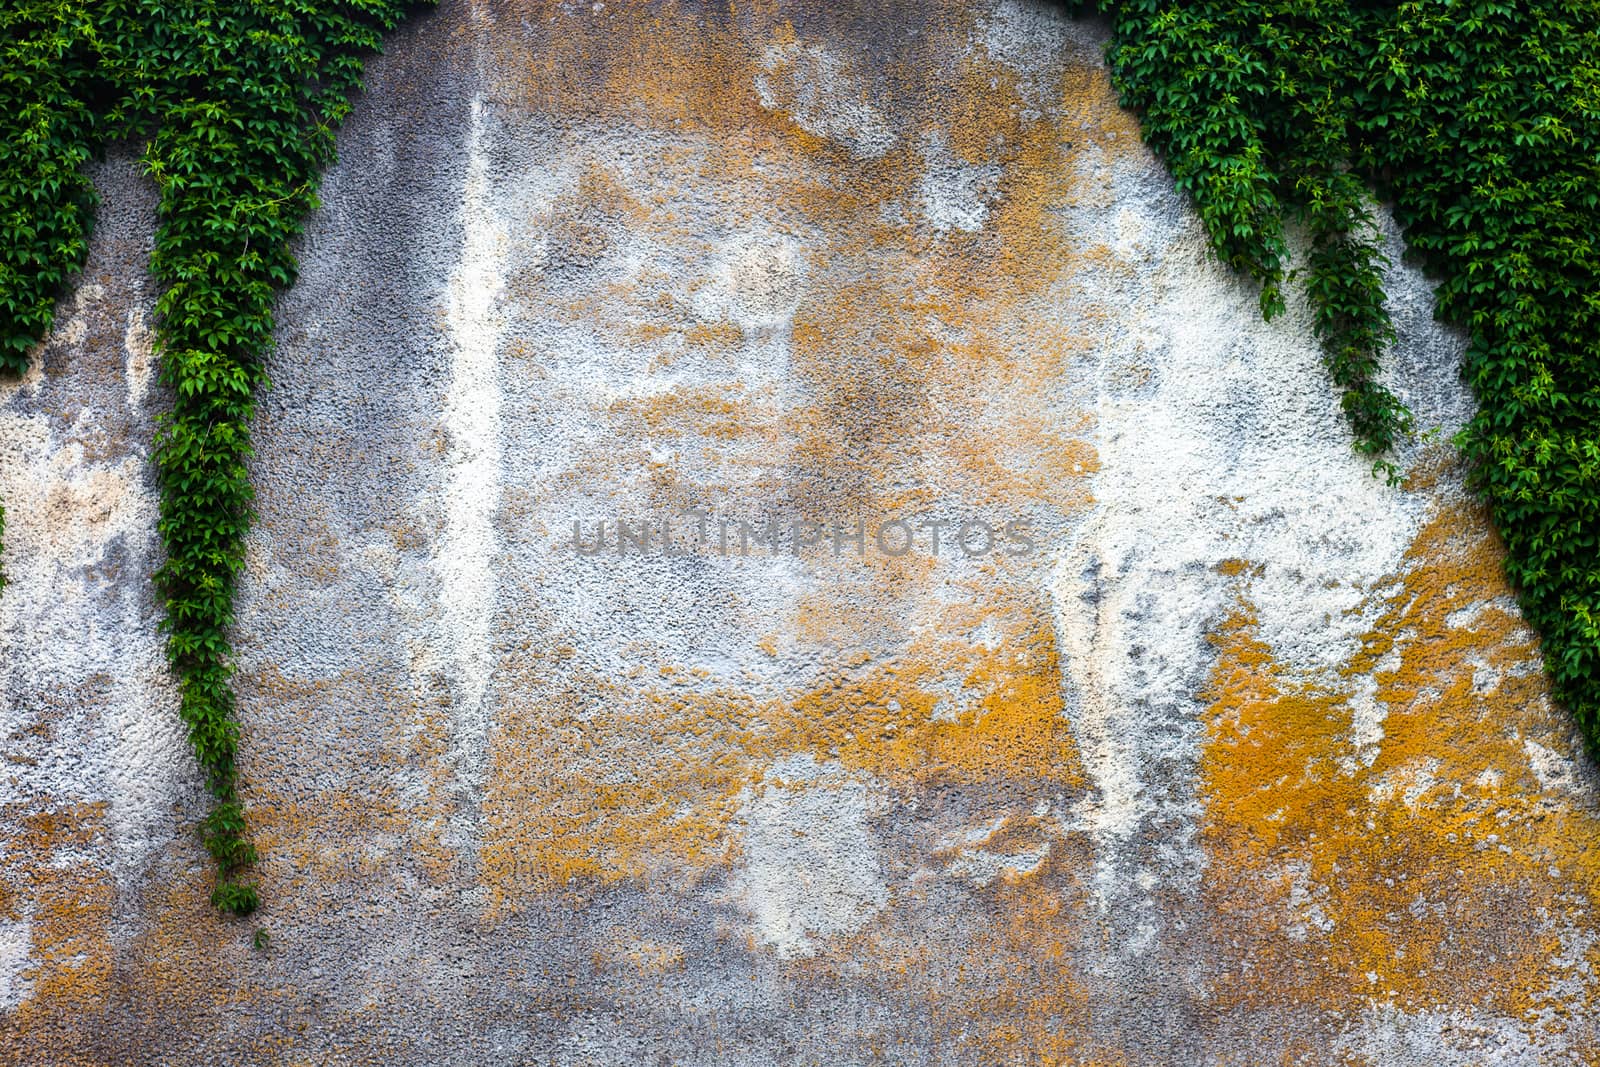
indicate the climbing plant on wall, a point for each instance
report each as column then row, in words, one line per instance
column 1480, row 122
column 235, row 103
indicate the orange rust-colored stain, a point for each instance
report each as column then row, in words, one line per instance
column 904, row 348
column 66, row 899
column 1427, row 867
column 996, row 974
column 384, row 800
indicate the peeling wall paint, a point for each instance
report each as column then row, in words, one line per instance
column 1250, row 762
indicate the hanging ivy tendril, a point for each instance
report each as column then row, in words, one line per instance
column 235, row 103
column 1479, row 122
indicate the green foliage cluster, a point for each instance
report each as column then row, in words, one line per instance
column 236, row 103
column 45, row 198
column 1248, row 103
column 1480, row 121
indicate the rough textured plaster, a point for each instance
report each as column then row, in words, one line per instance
column 1252, row 762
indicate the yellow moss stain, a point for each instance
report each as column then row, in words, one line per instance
column 905, row 345
column 1399, row 846
column 385, row 799
column 66, row 898
column 996, row 975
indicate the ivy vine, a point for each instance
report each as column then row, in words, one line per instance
column 236, row 103
column 1245, row 102
column 1479, row 121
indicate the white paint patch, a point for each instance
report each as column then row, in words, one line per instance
column 810, row 866
column 465, row 559
column 1113, row 809
column 16, row 942
column 1420, row 778
column 66, row 512
column 956, row 195
column 824, row 96
column 1388, row 1035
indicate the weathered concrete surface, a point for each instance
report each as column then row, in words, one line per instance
column 1250, row 762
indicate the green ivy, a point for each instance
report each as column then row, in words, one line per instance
column 1248, row 103
column 236, row 103
column 1480, row 123
column 46, row 84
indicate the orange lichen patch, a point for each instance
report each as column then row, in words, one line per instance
column 608, row 779
column 983, row 113
column 974, row 696
column 1276, row 737
column 1092, row 116
column 719, row 335
column 1037, row 1011
column 716, row 412
column 1399, row 845
column 393, row 788
column 422, row 747
column 187, row 970
column 944, row 391
column 60, row 888
column 651, row 957
column 995, row 969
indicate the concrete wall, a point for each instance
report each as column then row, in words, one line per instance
column 1250, row 761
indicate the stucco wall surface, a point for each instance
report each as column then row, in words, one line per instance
column 1248, row 760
